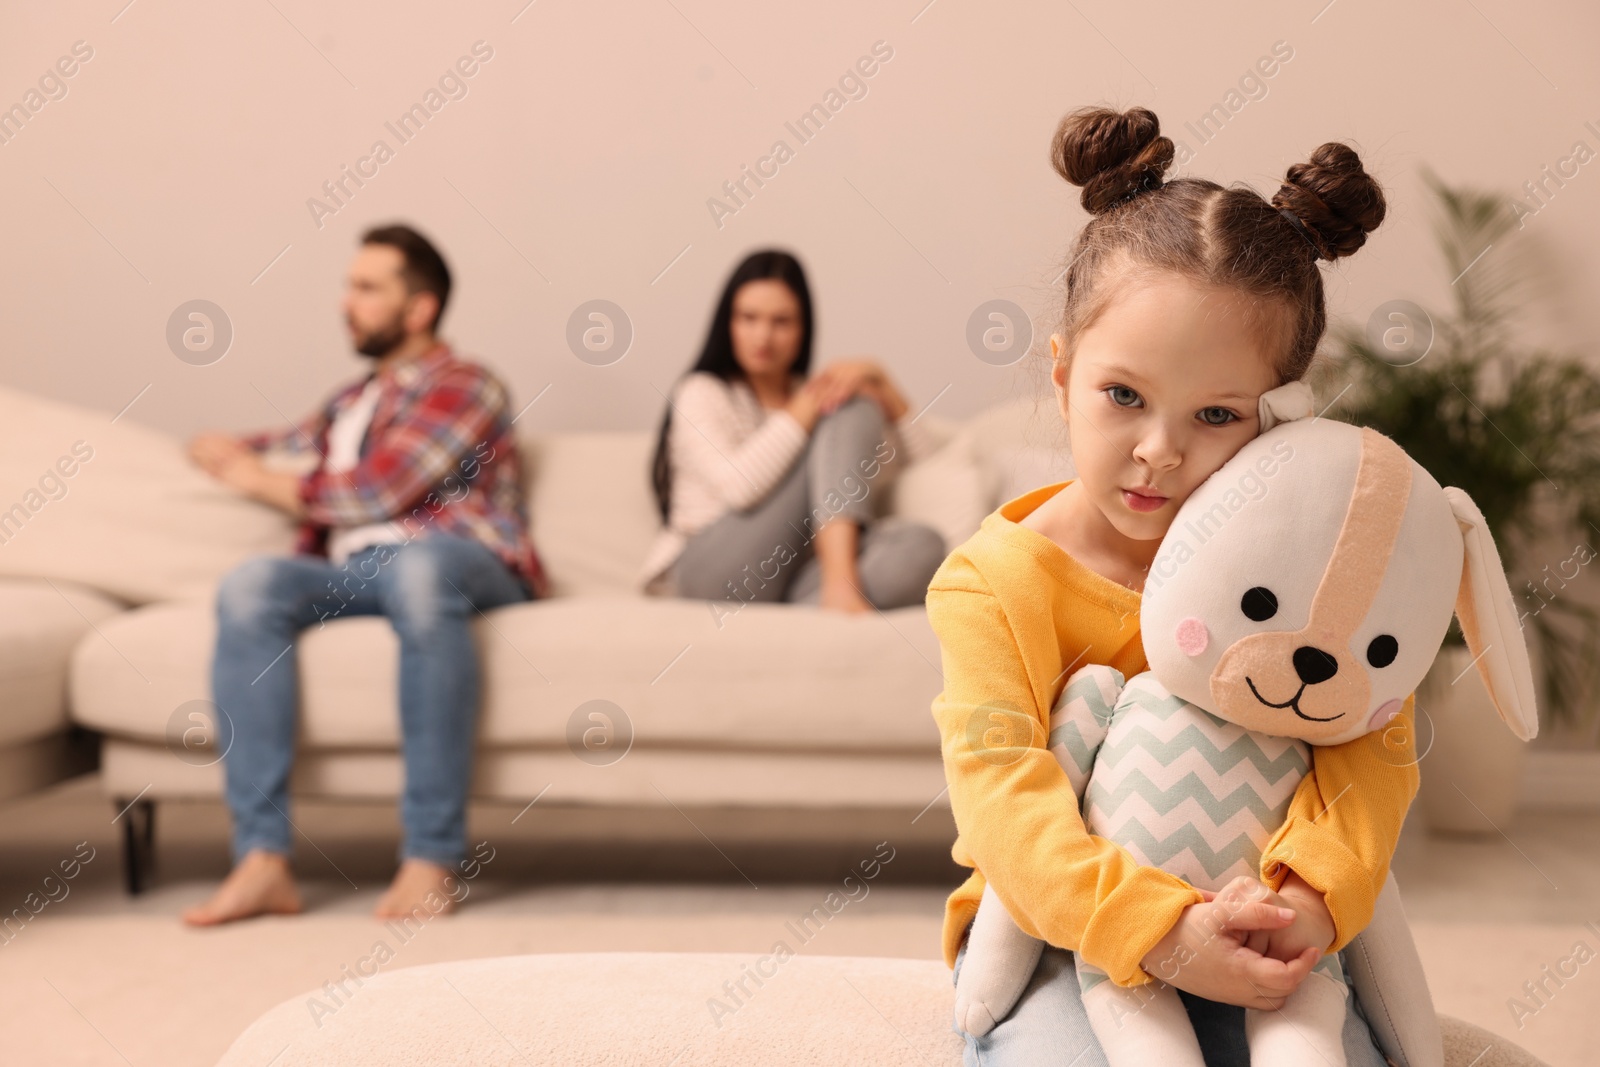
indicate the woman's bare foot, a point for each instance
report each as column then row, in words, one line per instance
column 261, row 884
column 419, row 884
column 843, row 596
column 837, row 541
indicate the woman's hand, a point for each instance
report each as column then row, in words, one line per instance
column 806, row 403
column 845, row 379
column 1208, row 950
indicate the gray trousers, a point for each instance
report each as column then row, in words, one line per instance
column 765, row 553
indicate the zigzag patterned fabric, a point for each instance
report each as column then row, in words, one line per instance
column 1176, row 786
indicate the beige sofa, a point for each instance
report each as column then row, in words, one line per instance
column 654, row 1008
column 595, row 696
column 41, row 622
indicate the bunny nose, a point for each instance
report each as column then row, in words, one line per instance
column 1314, row 665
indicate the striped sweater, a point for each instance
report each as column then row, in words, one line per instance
column 727, row 453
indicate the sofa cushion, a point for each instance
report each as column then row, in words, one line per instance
column 1019, row 444
column 778, row 1008
column 720, row 786
column 117, row 507
column 947, row 491
column 40, row 622
column 770, row 676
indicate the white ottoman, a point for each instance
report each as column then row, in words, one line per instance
column 655, row 1008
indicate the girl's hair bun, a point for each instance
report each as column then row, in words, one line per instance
column 1111, row 154
column 1338, row 201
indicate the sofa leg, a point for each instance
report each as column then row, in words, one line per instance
column 138, row 843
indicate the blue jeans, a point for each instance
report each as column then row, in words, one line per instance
column 1050, row 1026
column 430, row 589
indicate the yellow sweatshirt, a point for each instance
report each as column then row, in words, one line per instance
column 1015, row 616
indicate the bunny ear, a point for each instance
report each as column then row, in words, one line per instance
column 1489, row 621
column 1287, row 402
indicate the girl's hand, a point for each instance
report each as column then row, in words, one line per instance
column 1313, row 924
column 1207, row 952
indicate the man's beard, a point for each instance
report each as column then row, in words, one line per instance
column 382, row 341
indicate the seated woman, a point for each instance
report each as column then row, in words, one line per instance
column 770, row 485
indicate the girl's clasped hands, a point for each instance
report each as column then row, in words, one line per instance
column 1245, row 944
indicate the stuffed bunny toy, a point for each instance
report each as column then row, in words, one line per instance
column 1301, row 593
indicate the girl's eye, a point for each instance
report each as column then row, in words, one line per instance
column 1122, row 396
column 1217, row 416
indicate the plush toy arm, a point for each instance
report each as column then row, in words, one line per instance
column 1080, row 719
column 1387, row 974
column 999, row 962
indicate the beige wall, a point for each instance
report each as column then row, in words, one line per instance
column 579, row 164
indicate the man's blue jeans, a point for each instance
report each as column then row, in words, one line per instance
column 430, row 589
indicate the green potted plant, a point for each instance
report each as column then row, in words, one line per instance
column 1518, row 429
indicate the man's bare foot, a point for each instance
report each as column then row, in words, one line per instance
column 419, row 884
column 261, row 884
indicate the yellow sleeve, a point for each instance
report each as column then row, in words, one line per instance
column 1344, row 822
column 1015, row 811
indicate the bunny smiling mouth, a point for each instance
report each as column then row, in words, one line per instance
column 1293, row 703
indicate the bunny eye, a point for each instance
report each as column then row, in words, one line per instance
column 1258, row 603
column 1382, row 650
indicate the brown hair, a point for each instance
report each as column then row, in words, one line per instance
column 1225, row 237
column 423, row 268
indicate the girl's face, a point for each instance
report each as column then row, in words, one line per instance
column 1160, row 392
column 766, row 328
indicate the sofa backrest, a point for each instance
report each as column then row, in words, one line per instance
column 116, row 506
column 590, row 508
column 593, row 515
column 138, row 521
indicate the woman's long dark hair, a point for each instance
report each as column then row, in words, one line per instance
column 717, row 355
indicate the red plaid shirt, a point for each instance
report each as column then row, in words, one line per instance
column 439, row 455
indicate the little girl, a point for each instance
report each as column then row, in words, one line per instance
column 1185, row 301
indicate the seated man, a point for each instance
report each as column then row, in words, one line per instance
column 413, row 511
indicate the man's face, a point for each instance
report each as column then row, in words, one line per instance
column 378, row 308
column 1160, row 392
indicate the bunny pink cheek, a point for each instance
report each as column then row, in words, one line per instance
column 1386, row 711
column 1192, row 636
